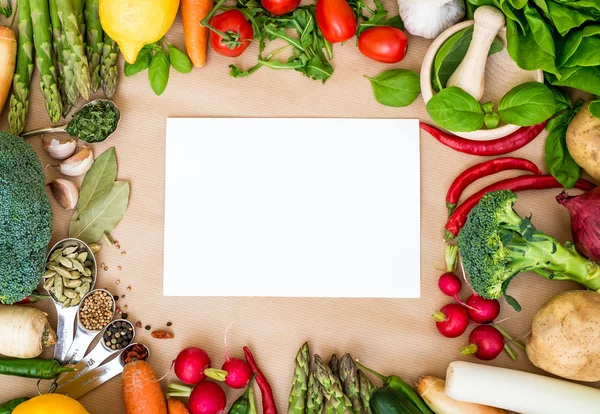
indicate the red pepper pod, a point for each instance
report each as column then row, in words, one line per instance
column 268, row 401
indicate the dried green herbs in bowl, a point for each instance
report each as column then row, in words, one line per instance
column 95, row 121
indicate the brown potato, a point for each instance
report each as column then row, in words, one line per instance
column 583, row 141
column 565, row 336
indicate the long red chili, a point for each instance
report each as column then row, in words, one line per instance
column 524, row 182
column 470, row 175
column 33, row 298
column 268, row 401
column 509, row 143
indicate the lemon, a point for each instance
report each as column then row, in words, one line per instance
column 50, row 404
column 135, row 23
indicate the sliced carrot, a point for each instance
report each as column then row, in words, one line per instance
column 196, row 36
column 177, row 406
column 141, row 390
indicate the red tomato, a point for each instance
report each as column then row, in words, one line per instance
column 280, row 7
column 233, row 23
column 336, row 20
column 384, row 44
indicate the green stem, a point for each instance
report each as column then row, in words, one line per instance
column 377, row 374
column 178, row 390
column 206, row 21
column 468, row 350
column 216, row 374
column 510, row 351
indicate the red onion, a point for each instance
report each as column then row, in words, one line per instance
column 585, row 222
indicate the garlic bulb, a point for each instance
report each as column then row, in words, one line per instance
column 78, row 164
column 429, row 18
column 60, row 149
column 65, row 192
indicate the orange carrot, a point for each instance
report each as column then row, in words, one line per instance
column 141, row 391
column 177, row 407
column 196, row 36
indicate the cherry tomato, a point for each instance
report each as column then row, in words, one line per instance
column 280, row 7
column 336, row 20
column 239, row 30
column 384, row 44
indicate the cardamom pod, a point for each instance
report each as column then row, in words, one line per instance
column 58, row 286
column 65, row 262
column 82, row 257
column 70, row 293
column 48, row 274
column 69, row 250
column 55, row 255
column 71, row 256
column 78, row 266
column 95, row 247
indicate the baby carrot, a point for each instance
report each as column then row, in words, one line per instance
column 195, row 35
column 141, row 390
column 177, row 406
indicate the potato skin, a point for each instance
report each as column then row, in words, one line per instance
column 583, row 141
column 565, row 336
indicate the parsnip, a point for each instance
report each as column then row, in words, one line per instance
column 24, row 331
column 8, row 61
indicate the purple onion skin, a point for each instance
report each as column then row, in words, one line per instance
column 585, row 221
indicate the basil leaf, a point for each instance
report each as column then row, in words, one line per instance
column 142, row 62
column 560, row 121
column 527, row 104
column 558, row 160
column 491, row 120
column 562, row 99
column 488, row 107
column 594, row 108
column 454, row 109
column 158, row 72
column 180, row 61
column 396, row 87
column 98, row 181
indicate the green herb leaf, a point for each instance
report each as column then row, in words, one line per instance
column 558, row 159
column 98, row 181
column 142, row 62
column 488, row 107
column 180, row 61
column 396, row 87
column 93, row 122
column 594, row 108
column 103, row 217
column 562, row 99
column 456, row 110
column 158, row 72
column 527, row 104
column 491, row 120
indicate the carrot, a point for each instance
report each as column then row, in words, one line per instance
column 141, row 391
column 196, row 36
column 177, row 407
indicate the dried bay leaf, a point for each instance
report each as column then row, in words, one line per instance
column 103, row 216
column 98, row 181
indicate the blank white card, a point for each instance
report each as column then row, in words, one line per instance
column 292, row 207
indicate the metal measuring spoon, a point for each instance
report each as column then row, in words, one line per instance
column 62, row 128
column 96, row 356
column 83, row 336
column 65, row 327
column 98, row 376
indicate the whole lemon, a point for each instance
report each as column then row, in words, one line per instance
column 135, row 23
column 50, row 404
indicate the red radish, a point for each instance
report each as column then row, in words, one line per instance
column 450, row 285
column 206, row 398
column 486, row 343
column 482, row 310
column 452, row 320
column 190, row 365
column 238, row 373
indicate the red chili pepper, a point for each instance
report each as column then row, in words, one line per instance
column 33, row 298
column 509, row 143
column 470, row 175
column 268, row 401
column 524, row 182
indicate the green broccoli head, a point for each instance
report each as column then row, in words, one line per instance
column 25, row 219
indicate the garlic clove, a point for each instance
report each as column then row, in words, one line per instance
column 59, row 149
column 77, row 164
column 65, row 192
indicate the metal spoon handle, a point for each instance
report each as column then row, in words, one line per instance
column 60, row 128
column 91, row 361
column 92, row 379
column 82, row 340
column 64, row 330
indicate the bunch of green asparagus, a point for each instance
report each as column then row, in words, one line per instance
column 72, row 53
column 337, row 388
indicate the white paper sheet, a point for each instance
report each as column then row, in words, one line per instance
column 292, row 207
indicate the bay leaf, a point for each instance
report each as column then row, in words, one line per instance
column 103, row 216
column 98, row 181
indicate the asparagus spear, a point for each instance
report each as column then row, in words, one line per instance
column 42, row 40
column 66, row 78
column 332, row 389
column 329, row 407
column 94, row 40
column 334, row 364
column 314, row 403
column 366, row 389
column 351, row 383
column 19, row 100
column 108, row 66
column 73, row 47
column 78, row 8
column 297, row 400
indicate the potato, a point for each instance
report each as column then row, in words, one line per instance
column 565, row 336
column 583, row 141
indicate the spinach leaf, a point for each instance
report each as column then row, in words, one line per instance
column 396, row 87
column 594, row 108
column 527, row 104
column 540, row 31
column 525, row 51
column 586, row 79
column 158, row 72
column 558, row 160
column 566, row 18
column 581, row 48
column 456, row 110
column 179, row 60
column 142, row 62
column 562, row 99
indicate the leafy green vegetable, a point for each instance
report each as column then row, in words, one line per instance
column 142, row 62
column 368, row 18
column 558, row 159
column 158, row 72
column 396, row 87
column 594, row 108
column 5, row 8
column 180, row 61
column 527, row 104
column 93, row 123
column 98, row 181
column 562, row 99
column 456, row 110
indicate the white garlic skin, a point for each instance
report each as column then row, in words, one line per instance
column 60, row 149
column 429, row 18
column 78, row 164
column 65, row 192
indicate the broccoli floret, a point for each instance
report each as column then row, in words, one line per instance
column 496, row 244
column 25, row 219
